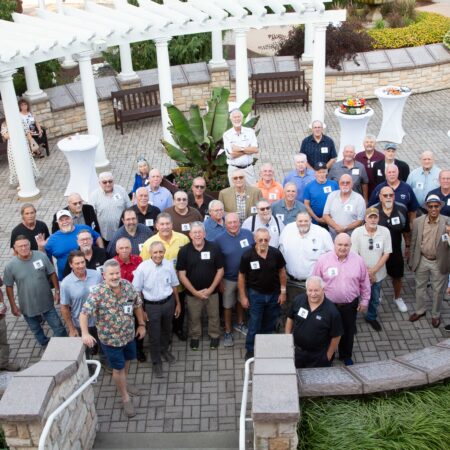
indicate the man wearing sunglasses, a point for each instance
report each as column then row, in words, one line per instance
column 198, row 199
column 373, row 243
column 182, row 214
column 429, row 259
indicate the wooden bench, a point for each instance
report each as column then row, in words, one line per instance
column 279, row 87
column 134, row 104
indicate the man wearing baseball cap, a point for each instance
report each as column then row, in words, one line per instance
column 429, row 259
column 373, row 243
column 379, row 168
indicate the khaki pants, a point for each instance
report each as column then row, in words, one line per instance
column 195, row 308
column 429, row 271
column 4, row 347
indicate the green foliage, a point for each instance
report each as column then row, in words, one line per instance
column 406, row 420
column 402, row 11
column 380, row 24
column 430, row 28
column 7, row 7
column 446, row 39
column 198, row 139
column 45, row 71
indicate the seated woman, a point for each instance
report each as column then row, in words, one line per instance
column 12, row 167
column 38, row 133
column 141, row 177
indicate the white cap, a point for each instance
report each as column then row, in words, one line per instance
column 62, row 213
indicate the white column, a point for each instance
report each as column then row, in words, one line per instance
column 308, row 54
column 318, row 78
column 217, row 59
column 21, row 154
column 165, row 83
column 33, row 92
column 91, row 108
column 127, row 74
column 242, row 91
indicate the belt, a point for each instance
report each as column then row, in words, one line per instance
column 295, row 279
column 343, row 305
column 241, row 167
column 158, row 302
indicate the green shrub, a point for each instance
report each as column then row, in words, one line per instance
column 7, row 7
column 430, row 28
column 446, row 39
column 379, row 24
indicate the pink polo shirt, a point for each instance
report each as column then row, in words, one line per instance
column 344, row 280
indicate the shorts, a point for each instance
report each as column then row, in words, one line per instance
column 395, row 266
column 230, row 293
column 117, row 356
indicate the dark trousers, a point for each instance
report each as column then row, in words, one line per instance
column 348, row 315
column 178, row 322
column 139, row 342
column 159, row 327
column 305, row 358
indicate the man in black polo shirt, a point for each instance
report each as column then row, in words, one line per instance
column 200, row 269
column 317, row 326
column 262, row 287
column 318, row 148
column 145, row 213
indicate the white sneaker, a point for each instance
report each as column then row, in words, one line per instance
column 400, row 304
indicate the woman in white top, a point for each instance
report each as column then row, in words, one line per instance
column 38, row 133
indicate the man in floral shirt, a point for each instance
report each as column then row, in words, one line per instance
column 113, row 304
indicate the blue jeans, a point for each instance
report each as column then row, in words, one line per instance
column 264, row 311
column 54, row 322
column 372, row 310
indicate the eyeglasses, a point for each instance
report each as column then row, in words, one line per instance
column 199, row 186
column 76, row 203
column 238, row 178
column 263, row 240
column 181, row 199
column 265, row 208
column 387, row 195
column 217, row 210
column 344, row 182
column 370, row 244
column 433, row 206
column 107, row 181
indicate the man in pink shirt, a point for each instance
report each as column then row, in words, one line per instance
column 347, row 285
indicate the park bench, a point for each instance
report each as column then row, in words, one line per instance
column 134, row 104
column 278, row 87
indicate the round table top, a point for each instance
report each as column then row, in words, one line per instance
column 78, row 142
column 339, row 114
column 379, row 92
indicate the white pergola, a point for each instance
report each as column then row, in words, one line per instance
column 79, row 33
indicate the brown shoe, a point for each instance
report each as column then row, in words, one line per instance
column 436, row 322
column 414, row 317
column 128, row 409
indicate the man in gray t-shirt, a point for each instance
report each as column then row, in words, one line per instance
column 30, row 270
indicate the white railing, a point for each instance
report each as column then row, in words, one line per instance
column 64, row 405
column 243, row 419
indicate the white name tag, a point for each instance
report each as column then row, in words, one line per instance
column 91, row 289
column 303, row 313
column 274, row 229
column 324, row 150
column 332, row 271
column 355, row 171
column 327, row 189
column 185, row 227
column 38, row 264
column 419, row 185
column 272, row 196
column 244, row 243
column 117, row 197
column 99, row 269
column 395, row 221
column 348, row 208
column 253, row 210
column 141, row 246
column 372, row 163
column 379, row 173
column 377, row 245
column 205, row 255
column 448, row 202
column 149, row 222
column 280, row 217
column 444, row 237
column 128, row 309
column 254, row 265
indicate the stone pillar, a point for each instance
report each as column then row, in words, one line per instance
column 27, row 185
column 217, row 60
column 94, row 122
column 242, row 90
column 127, row 75
column 318, row 83
column 33, row 93
column 308, row 54
column 275, row 398
column 165, row 83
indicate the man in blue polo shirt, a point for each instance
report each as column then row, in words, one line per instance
column 443, row 191
column 316, row 193
column 233, row 243
column 318, row 148
column 301, row 176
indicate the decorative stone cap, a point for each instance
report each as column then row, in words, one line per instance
column 274, row 346
column 64, row 349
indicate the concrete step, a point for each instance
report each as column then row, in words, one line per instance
column 220, row 440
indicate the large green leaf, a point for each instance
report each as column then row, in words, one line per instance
column 251, row 123
column 179, row 123
column 246, row 107
column 220, row 123
column 197, row 125
column 175, row 153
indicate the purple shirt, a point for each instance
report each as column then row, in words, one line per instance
column 344, row 280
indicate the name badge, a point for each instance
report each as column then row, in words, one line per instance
column 185, row 227
column 348, row 208
column 274, row 229
column 379, row 174
column 272, row 196
column 303, row 313
column 254, row 265
column 395, row 220
column 280, row 217
column 117, row 197
column 91, row 289
column 318, row 317
column 149, row 222
column 141, row 246
column 419, row 185
column 327, row 189
column 244, row 243
column 377, row 245
column 99, row 269
column 372, row 163
column 253, row 210
column 128, row 309
column 167, row 280
column 38, row 264
column 355, row 171
column 324, row 150
column 332, row 271
column 205, row 255
column 448, row 202
column 444, row 237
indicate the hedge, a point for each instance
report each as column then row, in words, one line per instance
column 429, row 29
column 447, row 39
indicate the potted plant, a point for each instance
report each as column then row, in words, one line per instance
column 198, row 140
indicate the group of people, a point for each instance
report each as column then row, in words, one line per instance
column 306, row 255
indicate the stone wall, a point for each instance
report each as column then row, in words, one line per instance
column 32, row 395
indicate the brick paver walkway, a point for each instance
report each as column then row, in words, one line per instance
column 202, row 390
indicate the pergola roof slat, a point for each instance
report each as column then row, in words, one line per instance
column 164, row 11
column 233, row 8
column 208, row 7
column 189, row 10
column 254, row 6
column 142, row 13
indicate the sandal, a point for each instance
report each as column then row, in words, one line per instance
column 38, row 155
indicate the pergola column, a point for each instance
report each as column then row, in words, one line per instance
column 318, row 77
column 165, row 82
column 33, row 92
column 94, row 123
column 127, row 74
column 308, row 54
column 217, row 59
column 27, row 185
column 242, row 91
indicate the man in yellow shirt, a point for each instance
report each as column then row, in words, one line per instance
column 172, row 242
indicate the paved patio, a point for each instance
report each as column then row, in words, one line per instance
column 202, row 390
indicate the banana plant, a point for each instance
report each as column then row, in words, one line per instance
column 198, row 136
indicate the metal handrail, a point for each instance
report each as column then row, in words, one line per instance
column 242, row 418
column 66, row 403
